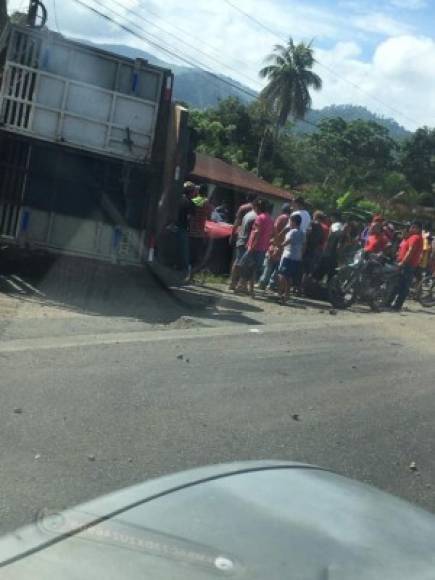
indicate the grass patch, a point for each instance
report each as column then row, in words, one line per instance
column 209, row 278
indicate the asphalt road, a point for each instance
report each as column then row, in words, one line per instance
column 82, row 415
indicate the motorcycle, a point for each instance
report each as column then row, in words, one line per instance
column 369, row 279
column 423, row 289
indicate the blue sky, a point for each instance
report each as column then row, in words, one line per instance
column 380, row 54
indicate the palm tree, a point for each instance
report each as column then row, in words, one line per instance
column 290, row 79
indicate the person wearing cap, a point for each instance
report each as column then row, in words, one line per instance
column 274, row 252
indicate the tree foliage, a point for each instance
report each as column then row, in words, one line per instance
column 354, row 165
column 419, row 160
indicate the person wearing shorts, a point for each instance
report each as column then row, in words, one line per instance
column 242, row 240
column 259, row 240
column 291, row 263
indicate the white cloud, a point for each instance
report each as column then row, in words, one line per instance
column 398, row 75
column 379, row 23
column 397, row 83
column 409, row 4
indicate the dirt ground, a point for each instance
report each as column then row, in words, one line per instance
column 80, row 302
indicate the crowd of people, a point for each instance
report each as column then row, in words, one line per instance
column 296, row 249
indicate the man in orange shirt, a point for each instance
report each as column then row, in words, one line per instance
column 408, row 259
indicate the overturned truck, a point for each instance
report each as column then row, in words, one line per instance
column 91, row 148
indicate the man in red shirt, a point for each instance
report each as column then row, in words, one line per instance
column 258, row 242
column 377, row 240
column 403, row 247
column 408, row 259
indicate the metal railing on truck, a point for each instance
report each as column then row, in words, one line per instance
column 72, row 94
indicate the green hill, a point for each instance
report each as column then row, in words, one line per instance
column 351, row 113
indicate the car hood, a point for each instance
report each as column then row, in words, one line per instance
column 262, row 520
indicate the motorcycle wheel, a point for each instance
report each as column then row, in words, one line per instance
column 426, row 297
column 379, row 299
column 341, row 291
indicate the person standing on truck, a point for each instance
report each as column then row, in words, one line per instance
column 186, row 211
column 197, row 233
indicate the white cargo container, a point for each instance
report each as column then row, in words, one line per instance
column 88, row 149
column 75, row 95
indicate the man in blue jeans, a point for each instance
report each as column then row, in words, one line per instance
column 408, row 265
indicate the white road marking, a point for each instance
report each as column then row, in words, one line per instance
column 89, row 340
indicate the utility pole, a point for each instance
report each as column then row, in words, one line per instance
column 3, row 14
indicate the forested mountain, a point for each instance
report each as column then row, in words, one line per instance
column 351, row 113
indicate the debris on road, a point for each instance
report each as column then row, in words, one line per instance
column 180, row 356
column 333, row 312
column 18, row 410
column 38, row 456
column 295, row 417
column 91, row 457
column 413, row 466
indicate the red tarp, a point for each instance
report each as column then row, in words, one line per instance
column 219, row 230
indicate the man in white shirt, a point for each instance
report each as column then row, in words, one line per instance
column 299, row 205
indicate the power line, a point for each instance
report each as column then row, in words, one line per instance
column 150, row 39
column 184, row 32
column 330, row 70
column 208, row 56
column 178, row 56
